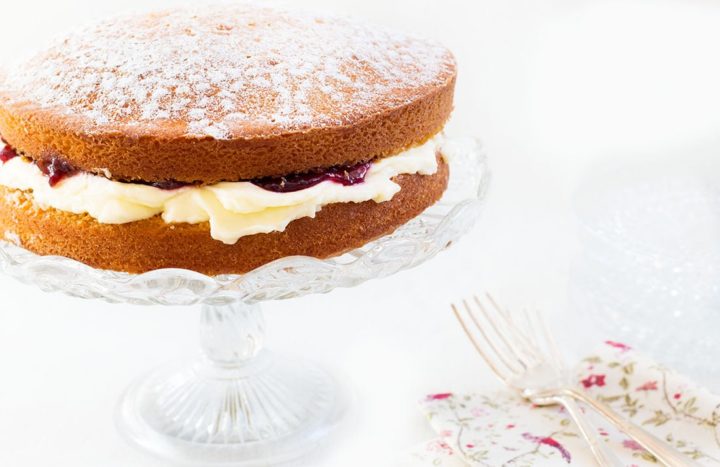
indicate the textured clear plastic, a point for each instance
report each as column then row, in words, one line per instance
column 649, row 266
column 237, row 403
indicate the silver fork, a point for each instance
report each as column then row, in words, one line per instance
column 526, row 359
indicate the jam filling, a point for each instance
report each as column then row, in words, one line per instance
column 167, row 184
column 7, row 153
column 57, row 169
column 295, row 182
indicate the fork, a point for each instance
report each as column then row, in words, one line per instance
column 526, row 359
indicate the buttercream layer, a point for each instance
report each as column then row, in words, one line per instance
column 152, row 244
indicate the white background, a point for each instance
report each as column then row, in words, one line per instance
column 556, row 89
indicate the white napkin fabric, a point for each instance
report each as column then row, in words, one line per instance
column 501, row 428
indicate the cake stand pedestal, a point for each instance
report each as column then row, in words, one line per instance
column 238, row 403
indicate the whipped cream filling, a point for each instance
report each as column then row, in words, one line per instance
column 233, row 209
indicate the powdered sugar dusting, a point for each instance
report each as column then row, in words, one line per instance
column 226, row 72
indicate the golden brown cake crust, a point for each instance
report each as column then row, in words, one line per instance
column 152, row 244
column 125, row 157
column 225, row 94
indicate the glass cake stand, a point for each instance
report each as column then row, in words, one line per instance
column 238, row 403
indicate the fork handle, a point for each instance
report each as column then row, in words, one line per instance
column 603, row 455
column 662, row 451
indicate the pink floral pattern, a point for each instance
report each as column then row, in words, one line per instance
column 550, row 441
column 496, row 429
column 593, row 380
column 439, row 397
column 630, row 444
column 435, row 453
column 619, row 345
column 649, row 386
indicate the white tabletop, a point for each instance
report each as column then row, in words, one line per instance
column 554, row 88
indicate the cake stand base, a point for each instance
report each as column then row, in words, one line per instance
column 235, row 405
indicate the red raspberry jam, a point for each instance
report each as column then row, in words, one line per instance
column 169, row 184
column 7, row 153
column 56, row 169
column 295, row 182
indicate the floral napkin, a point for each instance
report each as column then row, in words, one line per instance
column 500, row 428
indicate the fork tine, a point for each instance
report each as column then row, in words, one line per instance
column 535, row 335
column 509, row 357
column 503, row 312
column 507, row 317
column 530, row 332
column 500, row 333
column 526, row 354
column 539, row 336
column 500, row 374
column 550, row 342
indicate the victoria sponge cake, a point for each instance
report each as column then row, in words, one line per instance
column 218, row 139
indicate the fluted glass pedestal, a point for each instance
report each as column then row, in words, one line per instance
column 238, row 403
